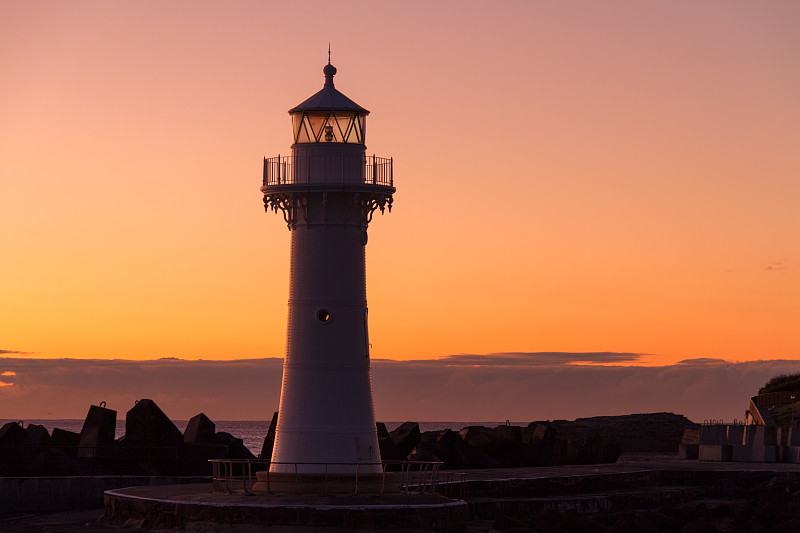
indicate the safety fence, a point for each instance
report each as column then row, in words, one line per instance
column 239, row 475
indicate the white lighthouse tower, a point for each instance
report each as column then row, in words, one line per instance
column 327, row 191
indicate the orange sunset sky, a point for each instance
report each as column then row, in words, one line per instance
column 616, row 176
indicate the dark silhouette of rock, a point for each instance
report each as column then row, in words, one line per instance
column 54, row 462
column 151, row 440
column 483, row 443
column 448, row 447
column 66, row 441
column 37, row 438
column 600, row 451
column 147, row 426
column 539, row 439
column 388, row 449
column 12, row 434
column 650, row 432
column 538, row 431
column 97, row 435
column 405, row 437
column 451, row 449
column 13, row 455
column 200, row 444
column 269, row 439
column 510, row 450
column 501, row 446
column 236, row 447
column 199, row 429
column 195, row 456
column 480, row 437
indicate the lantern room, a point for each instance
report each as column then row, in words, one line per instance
column 329, row 116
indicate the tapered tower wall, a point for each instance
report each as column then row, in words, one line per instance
column 326, row 410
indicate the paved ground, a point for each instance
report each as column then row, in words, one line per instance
column 68, row 522
column 91, row 521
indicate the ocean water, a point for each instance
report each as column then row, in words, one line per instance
column 252, row 432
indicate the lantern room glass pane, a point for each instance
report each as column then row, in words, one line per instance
column 326, row 126
column 340, row 123
column 317, row 122
column 300, row 131
column 361, row 126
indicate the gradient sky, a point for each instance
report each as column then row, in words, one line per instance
column 615, row 176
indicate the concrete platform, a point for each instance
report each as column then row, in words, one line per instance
column 176, row 506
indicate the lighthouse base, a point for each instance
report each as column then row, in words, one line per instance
column 290, row 483
column 197, row 507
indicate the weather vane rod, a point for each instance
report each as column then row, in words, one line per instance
column 329, row 52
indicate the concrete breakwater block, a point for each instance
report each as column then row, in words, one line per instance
column 405, row 438
column 147, row 426
column 735, row 435
column 764, row 454
column 151, row 439
column 713, row 435
column 12, row 437
column 715, row 452
column 386, row 444
column 790, row 454
column 199, row 429
column 688, row 451
column 12, row 434
column 97, row 434
column 269, row 439
column 66, row 441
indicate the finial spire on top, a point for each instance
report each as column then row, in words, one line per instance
column 329, row 69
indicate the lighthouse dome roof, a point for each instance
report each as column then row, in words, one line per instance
column 329, row 98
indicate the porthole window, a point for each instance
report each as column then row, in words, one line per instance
column 323, row 316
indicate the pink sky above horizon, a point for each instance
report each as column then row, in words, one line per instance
column 573, row 176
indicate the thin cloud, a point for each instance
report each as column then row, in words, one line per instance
column 541, row 358
column 15, row 352
column 702, row 361
column 776, row 266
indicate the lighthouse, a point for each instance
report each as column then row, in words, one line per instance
column 327, row 191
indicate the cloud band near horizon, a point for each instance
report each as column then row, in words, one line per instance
column 466, row 387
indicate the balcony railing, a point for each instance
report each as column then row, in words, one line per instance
column 327, row 169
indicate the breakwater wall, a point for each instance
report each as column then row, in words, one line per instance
column 69, row 493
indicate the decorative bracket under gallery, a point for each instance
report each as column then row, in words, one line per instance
column 369, row 202
column 288, row 205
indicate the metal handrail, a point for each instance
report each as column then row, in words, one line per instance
column 328, row 168
column 234, row 475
